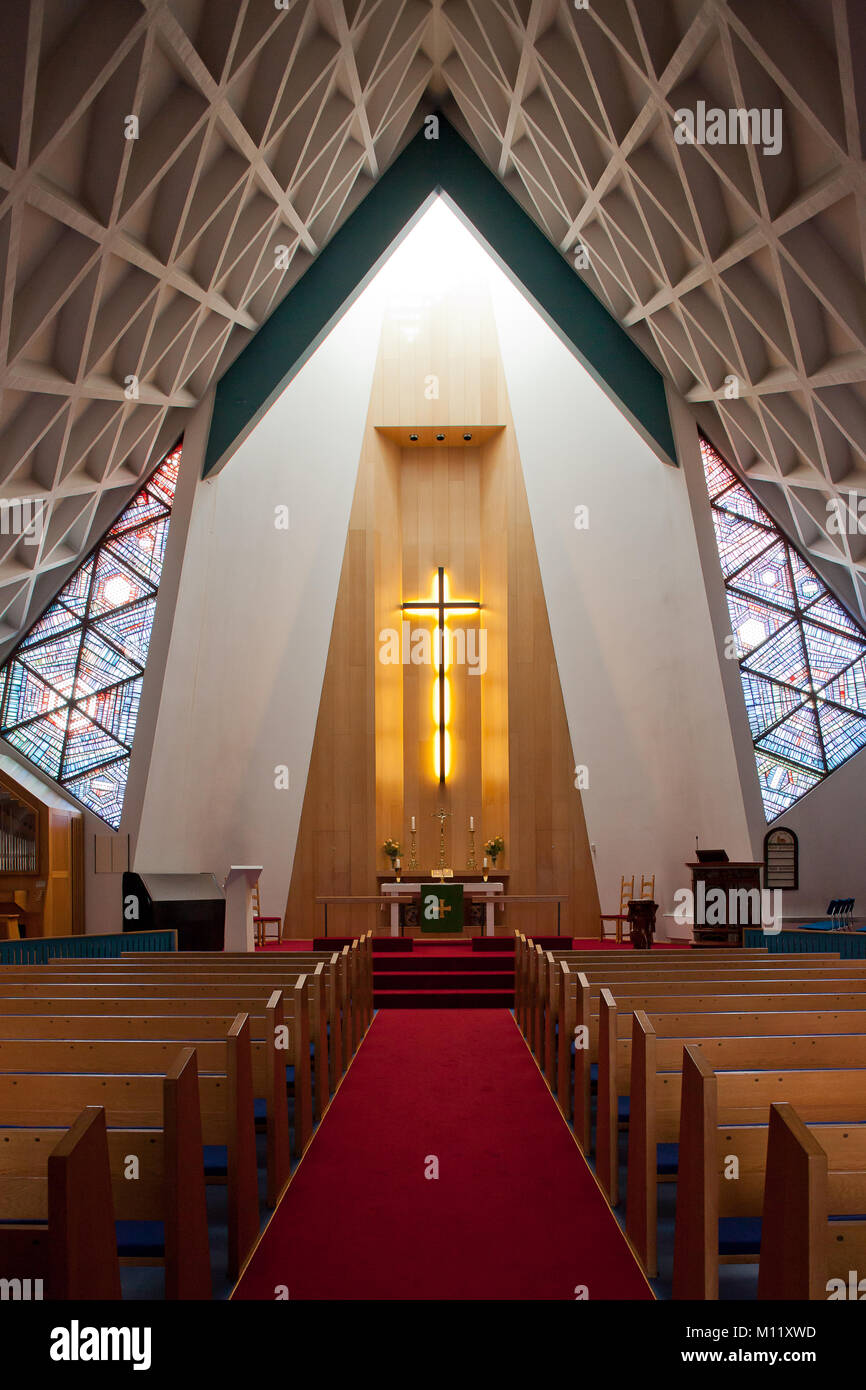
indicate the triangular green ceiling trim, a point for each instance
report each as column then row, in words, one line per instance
column 447, row 164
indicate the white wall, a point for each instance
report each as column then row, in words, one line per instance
column 628, row 612
column 253, row 623
column 629, row 617
column 830, row 824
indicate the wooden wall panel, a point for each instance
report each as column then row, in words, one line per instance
column 372, row 762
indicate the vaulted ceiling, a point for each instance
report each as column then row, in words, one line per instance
column 138, row 256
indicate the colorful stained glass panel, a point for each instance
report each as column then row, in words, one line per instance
column 802, row 656
column 71, row 689
column 766, row 702
column 797, row 738
column 844, row 733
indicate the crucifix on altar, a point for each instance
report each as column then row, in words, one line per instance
column 441, row 607
column 441, row 815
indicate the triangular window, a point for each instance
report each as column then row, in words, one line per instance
column 69, row 692
column 801, row 654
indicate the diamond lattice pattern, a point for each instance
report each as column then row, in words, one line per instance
column 802, row 657
column 69, row 694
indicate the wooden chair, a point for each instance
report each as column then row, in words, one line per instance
column 619, row 934
column 647, row 887
column 261, row 923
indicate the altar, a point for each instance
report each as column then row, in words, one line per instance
column 405, row 897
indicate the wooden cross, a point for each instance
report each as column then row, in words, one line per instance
column 440, row 607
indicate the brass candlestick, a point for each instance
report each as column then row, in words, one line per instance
column 470, row 862
column 413, row 851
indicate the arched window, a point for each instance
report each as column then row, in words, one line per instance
column 781, row 858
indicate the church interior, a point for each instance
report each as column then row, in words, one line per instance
column 432, row 656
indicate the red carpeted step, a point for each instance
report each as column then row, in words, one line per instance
column 514, row 1213
column 444, row 999
column 444, row 979
column 480, row 963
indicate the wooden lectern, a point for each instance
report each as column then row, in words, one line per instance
column 642, row 916
column 742, row 908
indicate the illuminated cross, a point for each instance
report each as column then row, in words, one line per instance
column 440, row 607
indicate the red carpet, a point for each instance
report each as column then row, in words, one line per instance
column 443, row 975
column 515, row 1213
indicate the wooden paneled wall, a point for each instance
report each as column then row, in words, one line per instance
column 415, row 508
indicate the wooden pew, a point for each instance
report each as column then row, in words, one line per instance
column 685, row 965
column 108, row 1036
column 532, row 962
column 225, row 1096
column 64, row 1184
column 727, row 1112
column 336, row 1029
column 540, row 981
column 579, row 1003
column 156, row 1117
column 653, row 1062
column 321, row 981
column 356, row 966
column 813, row 1173
column 250, row 998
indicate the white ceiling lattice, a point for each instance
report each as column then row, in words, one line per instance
column 144, row 265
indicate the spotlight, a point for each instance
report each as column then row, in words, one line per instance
column 467, row 436
column 440, row 437
column 414, row 438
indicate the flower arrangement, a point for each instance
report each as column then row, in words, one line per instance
column 392, row 849
column 494, row 848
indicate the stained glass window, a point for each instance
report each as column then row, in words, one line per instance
column 802, row 656
column 69, row 693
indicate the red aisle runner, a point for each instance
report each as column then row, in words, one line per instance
column 514, row 1214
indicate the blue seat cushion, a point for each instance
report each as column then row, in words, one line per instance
column 140, row 1239
column 739, row 1235
column 623, row 1108
column 593, row 1072
column 667, row 1159
column 216, row 1160
column 290, row 1075
column 260, row 1109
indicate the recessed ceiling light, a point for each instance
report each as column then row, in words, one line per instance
column 440, row 437
column 413, row 437
column 467, row 436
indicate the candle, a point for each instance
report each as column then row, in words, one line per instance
column 397, row 863
column 485, row 861
column 471, row 822
column 413, row 822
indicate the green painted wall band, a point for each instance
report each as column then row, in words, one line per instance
column 285, row 341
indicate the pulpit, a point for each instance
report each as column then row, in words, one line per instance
column 727, row 900
column 240, row 908
column 642, row 920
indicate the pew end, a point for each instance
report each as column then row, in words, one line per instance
column 793, row 1253
column 75, row 1252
